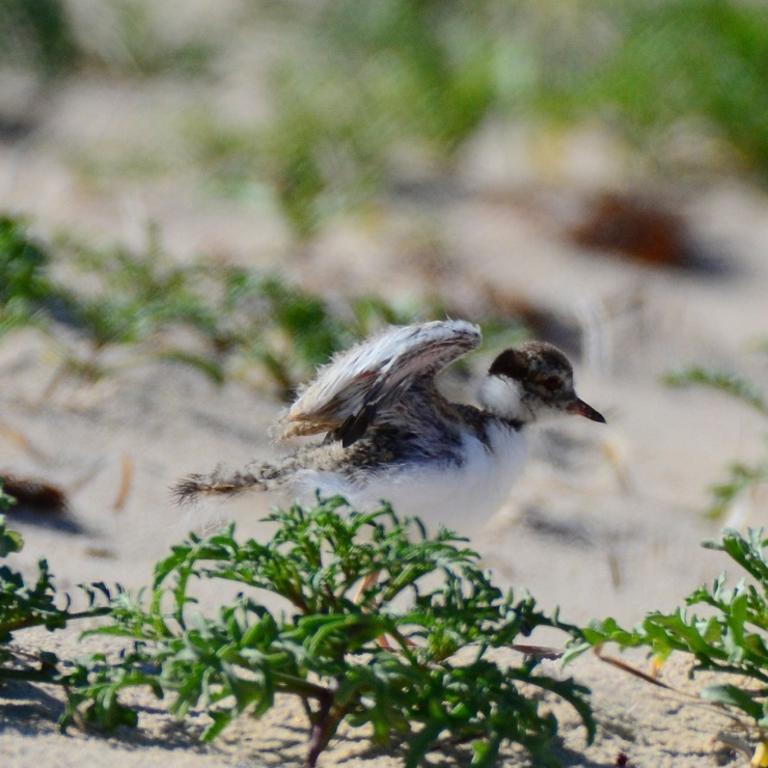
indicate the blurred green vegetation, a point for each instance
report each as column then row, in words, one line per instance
column 37, row 34
column 145, row 50
column 44, row 36
column 364, row 96
column 366, row 82
column 373, row 85
column 23, row 264
column 742, row 478
column 24, row 283
column 223, row 320
column 678, row 60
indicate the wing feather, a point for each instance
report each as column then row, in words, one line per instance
column 351, row 388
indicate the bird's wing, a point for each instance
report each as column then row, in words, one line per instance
column 348, row 392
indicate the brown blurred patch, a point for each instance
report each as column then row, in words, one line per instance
column 636, row 227
column 34, row 494
column 544, row 323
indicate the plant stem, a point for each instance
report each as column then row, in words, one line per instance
column 298, row 685
column 323, row 728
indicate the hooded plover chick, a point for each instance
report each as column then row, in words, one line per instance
column 389, row 434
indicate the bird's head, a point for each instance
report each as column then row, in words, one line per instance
column 532, row 381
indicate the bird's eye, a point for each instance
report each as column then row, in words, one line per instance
column 552, row 383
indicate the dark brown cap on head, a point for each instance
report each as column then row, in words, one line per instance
column 549, row 354
column 529, row 358
column 509, row 363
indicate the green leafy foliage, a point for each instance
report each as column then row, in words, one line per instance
column 726, row 382
column 140, row 300
column 327, row 650
column 137, row 294
column 728, row 636
column 6, row 501
column 10, row 541
column 674, row 61
column 37, row 35
column 289, row 331
column 25, row 604
column 140, row 47
column 119, row 36
column 364, row 81
column 23, row 264
column 741, row 476
column 365, row 84
column 24, row 282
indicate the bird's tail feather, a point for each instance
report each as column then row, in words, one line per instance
column 217, row 483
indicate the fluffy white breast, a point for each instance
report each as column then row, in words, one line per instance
column 462, row 498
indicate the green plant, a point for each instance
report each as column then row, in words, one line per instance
column 699, row 61
column 230, row 154
column 140, row 293
column 142, row 48
column 116, row 297
column 365, row 84
column 361, row 83
column 24, row 282
column 133, row 299
column 24, row 605
column 23, row 264
column 371, row 79
column 328, row 649
column 290, row 331
column 6, row 502
column 728, row 637
column 39, row 35
column 741, row 476
column 109, row 296
column 729, row 383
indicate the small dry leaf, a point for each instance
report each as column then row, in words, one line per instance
column 35, row 494
column 656, row 664
column 126, row 481
column 635, row 227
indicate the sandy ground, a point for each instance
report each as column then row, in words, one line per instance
column 606, row 521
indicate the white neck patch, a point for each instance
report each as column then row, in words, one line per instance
column 502, row 396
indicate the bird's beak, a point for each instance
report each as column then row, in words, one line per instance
column 579, row 407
